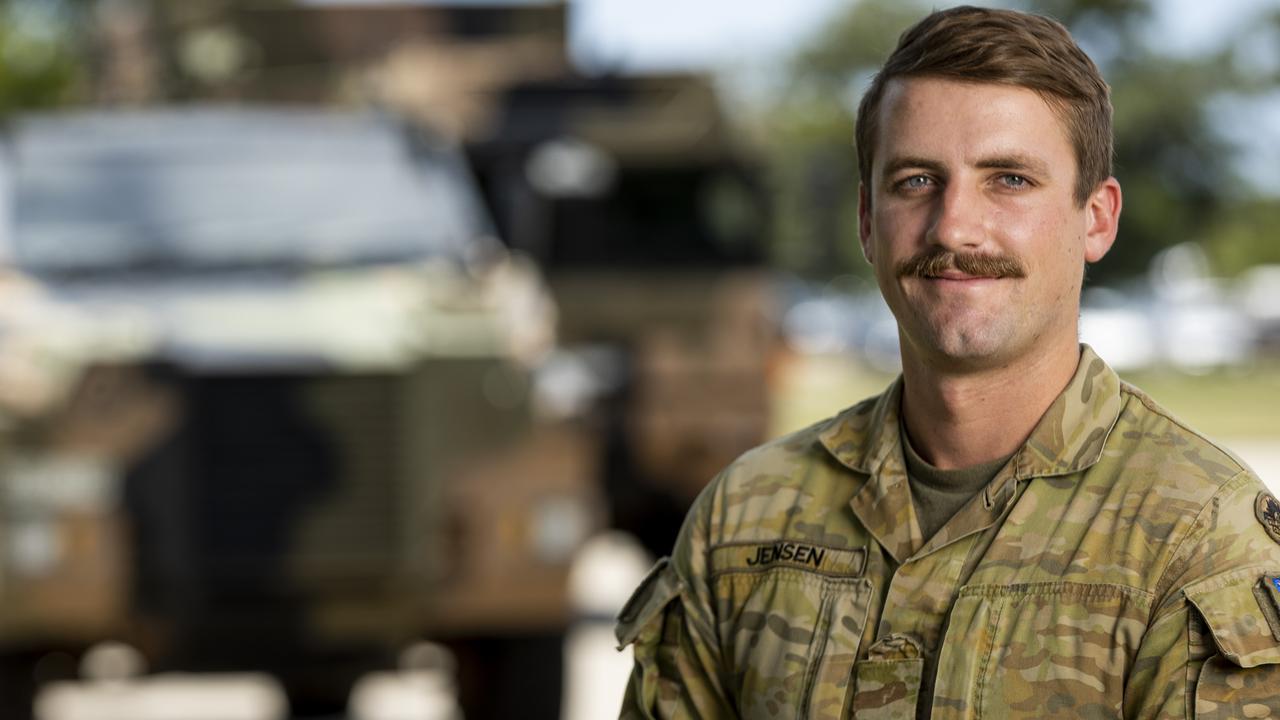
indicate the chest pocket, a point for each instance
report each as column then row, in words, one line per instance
column 1045, row 649
column 1242, row 613
column 790, row 633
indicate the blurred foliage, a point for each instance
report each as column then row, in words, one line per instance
column 808, row 135
column 1245, row 237
column 54, row 52
column 1177, row 170
column 39, row 65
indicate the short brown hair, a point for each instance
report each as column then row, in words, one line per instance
column 983, row 45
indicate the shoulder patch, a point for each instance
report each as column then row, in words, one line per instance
column 1267, row 508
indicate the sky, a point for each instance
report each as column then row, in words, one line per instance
column 709, row 33
column 645, row 35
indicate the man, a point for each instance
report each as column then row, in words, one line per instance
column 1009, row 530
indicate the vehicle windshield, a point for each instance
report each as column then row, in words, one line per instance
column 214, row 188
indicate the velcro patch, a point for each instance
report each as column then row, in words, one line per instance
column 1267, row 508
column 1268, row 593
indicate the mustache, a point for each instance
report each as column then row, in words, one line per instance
column 934, row 261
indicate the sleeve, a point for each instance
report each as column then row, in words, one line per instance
column 1213, row 648
column 669, row 623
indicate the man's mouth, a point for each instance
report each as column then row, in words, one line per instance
column 956, row 276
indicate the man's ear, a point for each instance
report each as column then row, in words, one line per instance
column 1102, row 219
column 864, row 221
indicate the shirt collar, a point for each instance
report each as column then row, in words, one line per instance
column 1067, row 439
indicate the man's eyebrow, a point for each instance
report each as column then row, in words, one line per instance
column 1014, row 162
column 904, row 162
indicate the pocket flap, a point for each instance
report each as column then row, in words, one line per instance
column 658, row 588
column 1240, row 618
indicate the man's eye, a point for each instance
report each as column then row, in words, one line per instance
column 1014, row 181
column 915, row 182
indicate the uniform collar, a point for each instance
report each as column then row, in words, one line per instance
column 1068, row 438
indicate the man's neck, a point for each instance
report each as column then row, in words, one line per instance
column 961, row 419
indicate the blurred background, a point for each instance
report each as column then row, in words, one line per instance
column 357, row 358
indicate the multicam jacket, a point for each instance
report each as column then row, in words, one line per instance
column 1118, row 565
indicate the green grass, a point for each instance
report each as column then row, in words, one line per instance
column 1234, row 403
column 812, row 387
column 1241, row 403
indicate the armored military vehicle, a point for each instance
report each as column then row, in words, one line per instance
column 651, row 222
column 266, row 384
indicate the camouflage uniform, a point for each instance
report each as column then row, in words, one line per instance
column 1115, row 566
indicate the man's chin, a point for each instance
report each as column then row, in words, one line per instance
column 961, row 352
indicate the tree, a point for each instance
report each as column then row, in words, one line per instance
column 38, row 65
column 1175, row 167
column 808, row 136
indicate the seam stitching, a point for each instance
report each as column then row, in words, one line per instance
column 986, row 664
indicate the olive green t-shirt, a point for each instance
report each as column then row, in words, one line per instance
column 939, row 494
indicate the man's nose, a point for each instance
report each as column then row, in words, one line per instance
column 957, row 219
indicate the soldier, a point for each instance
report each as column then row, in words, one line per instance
column 1009, row 530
